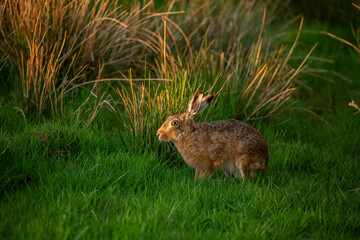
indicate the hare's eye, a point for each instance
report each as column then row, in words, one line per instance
column 174, row 123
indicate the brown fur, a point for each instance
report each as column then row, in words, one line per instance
column 233, row 146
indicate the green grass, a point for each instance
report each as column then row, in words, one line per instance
column 329, row 99
column 96, row 190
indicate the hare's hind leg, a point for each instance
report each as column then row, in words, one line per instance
column 242, row 166
column 248, row 166
column 256, row 169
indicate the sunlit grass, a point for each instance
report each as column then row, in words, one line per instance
column 55, row 44
column 254, row 83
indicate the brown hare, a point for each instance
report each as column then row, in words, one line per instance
column 230, row 145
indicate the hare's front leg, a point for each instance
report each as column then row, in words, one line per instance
column 198, row 173
column 209, row 171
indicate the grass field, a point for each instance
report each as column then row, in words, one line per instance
column 96, row 190
column 63, row 179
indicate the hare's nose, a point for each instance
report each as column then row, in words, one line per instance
column 158, row 133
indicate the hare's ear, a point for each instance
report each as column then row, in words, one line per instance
column 205, row 102
column 198, row 103
column 194, row 104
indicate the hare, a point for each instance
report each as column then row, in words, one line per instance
column 234, row 147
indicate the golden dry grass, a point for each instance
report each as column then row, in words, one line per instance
column 56, row 43
column 161, row 57
column 260, row 80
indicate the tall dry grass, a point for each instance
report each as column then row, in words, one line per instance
column 227, row 22
column 257, row 80
column 265, row 79
column 56, row 43
column 162, row 57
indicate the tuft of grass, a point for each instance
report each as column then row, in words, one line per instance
column 226, row 23
column 256, row 83
column 54, row 44
column 54, row 48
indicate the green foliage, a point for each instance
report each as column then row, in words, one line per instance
column 328, row 11
column 49, row 142
column 99, row 193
